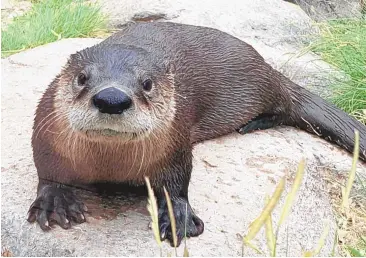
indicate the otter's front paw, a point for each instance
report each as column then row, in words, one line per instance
column 56, row 206
column 195, row 225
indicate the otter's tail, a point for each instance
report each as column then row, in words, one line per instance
column 315, row 115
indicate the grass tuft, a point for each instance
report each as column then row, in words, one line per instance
column 52, row 20
column 342, row 43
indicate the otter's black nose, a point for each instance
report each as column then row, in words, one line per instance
column 112, row 101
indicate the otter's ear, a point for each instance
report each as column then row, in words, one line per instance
column 169, row 68
column 73, row 58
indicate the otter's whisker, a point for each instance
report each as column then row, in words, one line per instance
column 49, row 120
column 143, row 157
column 55, row 120
column 40, row 123
column 135, row 147
column 62, row 132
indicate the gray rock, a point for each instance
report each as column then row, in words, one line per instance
column 320, row 10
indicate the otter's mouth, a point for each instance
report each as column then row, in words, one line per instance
column 110, row 133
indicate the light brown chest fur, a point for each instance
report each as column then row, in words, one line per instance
column 95, row 161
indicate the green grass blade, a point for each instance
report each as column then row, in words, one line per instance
column 354, row 252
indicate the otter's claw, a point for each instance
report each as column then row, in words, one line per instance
column 56, row 206
column 195, row 225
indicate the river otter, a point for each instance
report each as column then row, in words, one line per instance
column 133, row 105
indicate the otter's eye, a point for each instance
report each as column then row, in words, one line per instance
column 82, row 78
column 147, row 85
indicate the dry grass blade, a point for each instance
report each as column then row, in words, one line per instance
column 258, row 223
column 322, row 239
column 346, row 192
column 153, row 210
column 172, row 219
column 335, row 241
column 290, row 199
column 308, row 254
column 269, row 232
column 363, row 238
column 185, row 252
column 320, row 243
column 251, row 245
column 291, row 196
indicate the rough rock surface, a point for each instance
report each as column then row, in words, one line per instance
column 231, row 175
column 331, row 9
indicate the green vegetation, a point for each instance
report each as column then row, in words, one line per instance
column 342, row 43
column 49, row 21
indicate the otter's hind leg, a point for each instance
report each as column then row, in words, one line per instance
column 261, row 122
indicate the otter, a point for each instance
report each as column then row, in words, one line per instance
column 133, row 105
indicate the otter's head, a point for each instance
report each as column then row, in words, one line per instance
column 110, row 91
